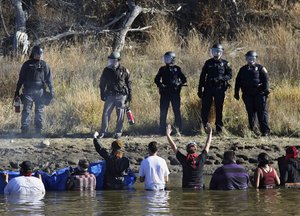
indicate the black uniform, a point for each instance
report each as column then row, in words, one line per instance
column 34, row 76
column 115, row 81
column 214, row 79
column 254, row 82
column 169, row 80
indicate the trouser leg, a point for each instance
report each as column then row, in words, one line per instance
column 262, row 113
column 164, row 105
column 27, row 107
column 175, row 101
column 219, row 101
column 206, row 105
column 108, row 107
column 250, row 108
column 38, row 110
column 120, row 110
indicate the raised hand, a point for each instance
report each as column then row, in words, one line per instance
column 96, row 134
column 208, row 128
column 169, row 130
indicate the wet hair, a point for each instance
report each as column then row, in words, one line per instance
column 263, row 159
column 229, row 157
column 152, row 146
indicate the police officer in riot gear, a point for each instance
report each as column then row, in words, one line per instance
column 169, row 80
column 213, row 83
column 115, row 91
column 35, row 76
column 253, row 80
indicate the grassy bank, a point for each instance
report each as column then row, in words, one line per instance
column 77, row 107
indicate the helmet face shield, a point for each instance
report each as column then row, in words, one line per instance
column 216, row 52
column 169, row 58
column 251, row 59
column 113, row 63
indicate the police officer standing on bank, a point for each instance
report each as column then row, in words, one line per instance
column 35, row 76
column 254, row 81
column 169, row 80
column 213, row 83
column 115, row 91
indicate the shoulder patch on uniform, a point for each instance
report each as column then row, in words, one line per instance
column 264, row 70
column 228, row 64
column 127, row 71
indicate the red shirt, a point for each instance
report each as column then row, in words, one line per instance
column 267, row 179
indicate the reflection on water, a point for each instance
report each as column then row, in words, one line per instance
column 141, row 202
column 24, row 204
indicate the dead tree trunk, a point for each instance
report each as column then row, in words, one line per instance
column 119, row 41
column 20, row 35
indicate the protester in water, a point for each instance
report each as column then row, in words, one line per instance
column 265, row 176
column 192, row 163
column 117, row 166
column 80, row 178
column 230, row 176
column 289, row 166
column 25, row 184
column 154, row 170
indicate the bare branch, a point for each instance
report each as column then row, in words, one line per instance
column 2, row 19
column 120, row 37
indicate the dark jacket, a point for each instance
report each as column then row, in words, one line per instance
column 35, row 74
column 116, row 168
column 170, row 79
column 215, row 74
column 115, row 81
column 252, row 80
column 289, row 170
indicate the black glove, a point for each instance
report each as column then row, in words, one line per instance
column 17, row 94
column 128, row 99
column 237, row 96
column 103, row 98
column 200, row 94
column 52, row 94
column 267, row 92
column 161, row 86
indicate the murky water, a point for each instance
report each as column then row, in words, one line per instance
column 173, row 202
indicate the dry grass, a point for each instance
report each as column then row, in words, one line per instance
column 77, row 68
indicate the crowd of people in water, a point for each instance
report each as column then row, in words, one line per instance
column 154, row 171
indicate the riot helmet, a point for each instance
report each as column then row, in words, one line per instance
column 251, row 57
column 115, row 55
column 37, row 52
column 113, row 59
column 169, row 57
column 217, row 50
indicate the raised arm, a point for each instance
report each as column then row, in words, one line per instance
column 170, row 140
column 208, row 130
column 101, row 151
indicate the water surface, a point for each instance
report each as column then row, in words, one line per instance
column 173, row 202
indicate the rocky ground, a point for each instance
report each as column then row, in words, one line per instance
column 50, row 154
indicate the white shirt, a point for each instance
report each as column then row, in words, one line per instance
column 24, row 185
column 154, row 169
